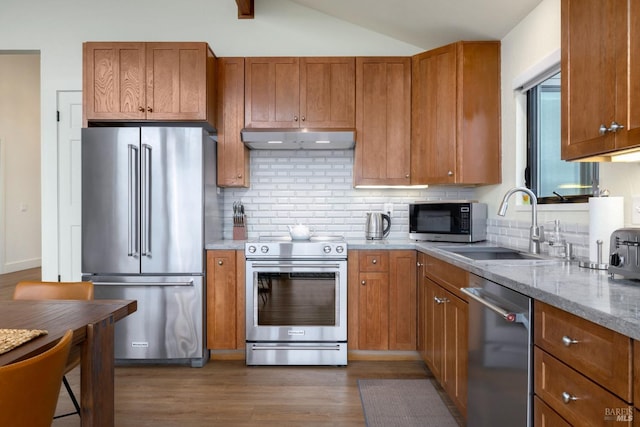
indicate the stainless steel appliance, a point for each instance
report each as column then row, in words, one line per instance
column 375, row 228
column 296, row 302
column 145, row 195
column 624, row 257
column 448, row 221
column 500, row 389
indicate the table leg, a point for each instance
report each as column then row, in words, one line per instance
column 97, row 374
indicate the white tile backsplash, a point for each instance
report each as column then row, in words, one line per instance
column 315, row 188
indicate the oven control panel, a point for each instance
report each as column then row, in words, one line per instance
column 296, row 250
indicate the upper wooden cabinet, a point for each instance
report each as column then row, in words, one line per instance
column 166, row 82
column 455, row 115
column 383, row 121
column 300, row 92
column 600, row 77
column 233, row 155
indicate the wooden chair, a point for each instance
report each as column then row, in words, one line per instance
column 59, row 291
column 29, row 389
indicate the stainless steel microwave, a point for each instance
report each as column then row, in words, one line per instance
column 459, row 221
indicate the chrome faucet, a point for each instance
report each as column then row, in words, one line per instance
column 536, row 234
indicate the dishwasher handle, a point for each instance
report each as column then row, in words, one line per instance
column 505, row 314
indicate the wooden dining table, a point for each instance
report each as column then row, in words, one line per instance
column 92, row 323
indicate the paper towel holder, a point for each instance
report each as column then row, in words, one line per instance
column 598, row 265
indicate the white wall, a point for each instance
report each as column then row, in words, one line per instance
column 526, row 45
column 20, row 215
column 58, row 28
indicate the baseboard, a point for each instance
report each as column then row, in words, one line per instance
column 14, row 266
column 365, row 355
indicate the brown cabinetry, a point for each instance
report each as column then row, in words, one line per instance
column 164, row 82
column 225, row 300
column 582, row 370
column 382, row 300
column 300, row 92
column 443, row 324
column 455, row 125
column 383, row 121
column 600, row 77
column 233, row 155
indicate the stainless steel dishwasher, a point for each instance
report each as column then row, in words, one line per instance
column 500, row 346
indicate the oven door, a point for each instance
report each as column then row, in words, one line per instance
column 296, row 301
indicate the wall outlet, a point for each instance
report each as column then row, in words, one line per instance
column 388, row 207
column 635, row 210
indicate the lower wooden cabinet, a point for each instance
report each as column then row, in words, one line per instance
column 382, row 300
column 544, row 416
column 225, row 300
column 442, row 325
column 582, row 371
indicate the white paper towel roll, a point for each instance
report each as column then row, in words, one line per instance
column 606, row 214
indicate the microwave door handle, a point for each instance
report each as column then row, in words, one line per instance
column 133, row 239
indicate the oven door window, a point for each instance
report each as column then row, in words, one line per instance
column 300, row 299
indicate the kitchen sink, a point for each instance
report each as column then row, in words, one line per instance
column 488, row 253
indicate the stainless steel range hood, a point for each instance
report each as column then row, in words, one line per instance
column 298, row 139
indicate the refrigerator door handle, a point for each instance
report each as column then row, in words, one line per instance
column 144, row 284
column 134, row 207
column 146, row 200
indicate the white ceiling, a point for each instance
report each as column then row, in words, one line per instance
column 429, row 23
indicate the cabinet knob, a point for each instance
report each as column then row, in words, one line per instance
column 450, row 173
column 419, row 264
column 407, row 175
column 567, row 341
column 239, row 175
column 615, row 127
column 141, row 109
column 363, row 283
column 295, row 118
column 440, row 300
column 374, row 261
column 220, row 262
column 149, row 109
column 568, row 397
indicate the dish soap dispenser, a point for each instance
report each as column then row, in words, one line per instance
column 556, row 243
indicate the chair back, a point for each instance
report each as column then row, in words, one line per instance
column 29, row 389
column 53, row 290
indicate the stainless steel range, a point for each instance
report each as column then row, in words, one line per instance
column 296, row 295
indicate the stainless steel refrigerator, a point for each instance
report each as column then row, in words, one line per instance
column 149, row 203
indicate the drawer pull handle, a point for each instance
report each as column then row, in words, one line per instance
column 567, row 397
column 440, row 300
column 567, row 341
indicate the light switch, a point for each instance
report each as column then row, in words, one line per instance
column 388, row 207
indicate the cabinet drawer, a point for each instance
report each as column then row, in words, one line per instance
column 599, row 353
column 544, row 416
column 593, row 405
column 373, row 260
column 447, row 275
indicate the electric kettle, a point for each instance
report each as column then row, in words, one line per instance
column 374, row 228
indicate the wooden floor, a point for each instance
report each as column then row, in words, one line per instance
column 228, row 393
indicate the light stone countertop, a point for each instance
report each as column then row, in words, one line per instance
column 590, row 294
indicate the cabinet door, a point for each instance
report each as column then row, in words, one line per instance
column 272, row 93
column 113, row 81
column 454, row 376
column 588, row 87
column 434, row 333
column 327, row 92
column 402, row 300
column 433, row 124
column 373, row 311
column 176, row 81
column 421, row 327
column 233, row 155
column 221, row 299
column 383, row 121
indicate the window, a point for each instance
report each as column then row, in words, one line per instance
column 551, row 179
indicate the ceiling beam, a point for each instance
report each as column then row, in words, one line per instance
column 245, row 9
